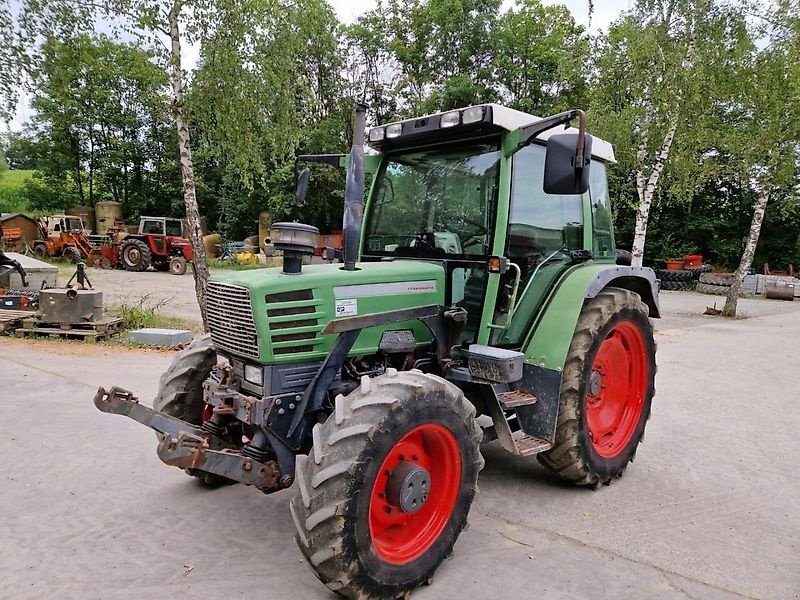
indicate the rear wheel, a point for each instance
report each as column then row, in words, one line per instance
column 386, row 490
column 180, row 393
column 135, row 255
column 606, row 390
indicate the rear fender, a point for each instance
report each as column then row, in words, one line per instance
column 548, row 344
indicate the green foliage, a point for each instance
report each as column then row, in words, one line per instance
column 277, row 78
column 140, row 313
column 12, row 197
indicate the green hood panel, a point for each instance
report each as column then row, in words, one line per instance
column 290, row 311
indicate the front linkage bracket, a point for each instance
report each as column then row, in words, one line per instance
column 187, row 446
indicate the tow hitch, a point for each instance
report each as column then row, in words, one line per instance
column 187, row 446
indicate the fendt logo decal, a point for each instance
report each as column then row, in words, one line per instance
column 385, row 289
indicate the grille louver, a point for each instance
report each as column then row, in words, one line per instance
column 294, row 328
column 230, row 319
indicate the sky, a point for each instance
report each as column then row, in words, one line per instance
column 605, row 11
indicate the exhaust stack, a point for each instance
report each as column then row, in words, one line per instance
column 354, row 191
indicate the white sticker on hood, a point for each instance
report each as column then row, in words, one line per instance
column 346, row 308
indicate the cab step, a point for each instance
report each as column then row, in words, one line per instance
column 515, row 398
column 527, row 445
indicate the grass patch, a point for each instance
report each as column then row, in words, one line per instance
column 232, row 266
column 13, row 180
column 141, row 313
column 11, row 183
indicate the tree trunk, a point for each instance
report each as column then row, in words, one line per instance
column 749, row 251
column 646, row 187
column 199, row 261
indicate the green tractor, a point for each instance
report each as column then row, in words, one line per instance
column 477, row 297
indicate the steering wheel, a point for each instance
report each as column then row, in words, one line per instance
column 466, row 236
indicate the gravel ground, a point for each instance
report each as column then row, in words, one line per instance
column 710, row 509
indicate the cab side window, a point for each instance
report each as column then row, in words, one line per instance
column 603, row 230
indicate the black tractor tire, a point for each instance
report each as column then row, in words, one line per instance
column 177, row 265
column 135, row 255
column 714, row 290
column 617, row 317
column 678, row 286
column 180, row 392
column 683, row 275
column 700, row 270
column 40, row 251
column 71, row 254
column 725, row 279
column 344, row 484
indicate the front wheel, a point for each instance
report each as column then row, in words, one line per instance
column 606, row 390
column 180, row 393
column 387, row 487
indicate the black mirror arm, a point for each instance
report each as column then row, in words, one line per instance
column 564, row 118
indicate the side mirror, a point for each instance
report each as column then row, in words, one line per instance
column 561, row 175
column 302, row 186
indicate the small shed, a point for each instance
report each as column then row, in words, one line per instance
column 18, row 229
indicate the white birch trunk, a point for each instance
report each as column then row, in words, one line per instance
column 749, row 251
column 199, row 260
column 646, row 187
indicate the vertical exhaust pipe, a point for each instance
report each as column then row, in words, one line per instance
column 354, row 191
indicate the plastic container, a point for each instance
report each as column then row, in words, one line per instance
column 692, row 261
column 675, row 265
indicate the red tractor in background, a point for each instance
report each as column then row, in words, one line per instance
column 159, row 243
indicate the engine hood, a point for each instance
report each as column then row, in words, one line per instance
column 277, row 318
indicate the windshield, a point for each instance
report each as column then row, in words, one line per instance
column 435, row 203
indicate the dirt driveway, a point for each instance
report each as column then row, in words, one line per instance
column 710, row 509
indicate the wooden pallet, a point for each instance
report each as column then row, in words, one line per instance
column 99, row 330
column 11, row 319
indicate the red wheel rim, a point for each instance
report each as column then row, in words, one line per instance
column 400, row 537
column 616, row 389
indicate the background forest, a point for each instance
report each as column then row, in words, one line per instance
column 700, row 98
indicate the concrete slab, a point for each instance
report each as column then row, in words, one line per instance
column 152, row 336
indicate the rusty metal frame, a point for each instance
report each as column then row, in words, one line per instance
column 187, row 446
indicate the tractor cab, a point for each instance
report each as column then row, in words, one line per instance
column 465, row 186
column 57, row 224
column 161, row 226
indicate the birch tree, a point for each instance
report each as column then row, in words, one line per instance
column 765, row 143
column 646, row 65
column 163, row 25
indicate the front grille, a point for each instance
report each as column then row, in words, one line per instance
column 230, row 319
column 289, row 325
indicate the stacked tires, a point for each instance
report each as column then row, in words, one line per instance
column 683, row 280
column 717, row 284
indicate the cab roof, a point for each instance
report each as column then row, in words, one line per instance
column 471, row 120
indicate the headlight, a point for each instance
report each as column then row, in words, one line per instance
column 393, row 131
column 450, row 119
column 376, row 134
column 472, row 115
column 254, row 374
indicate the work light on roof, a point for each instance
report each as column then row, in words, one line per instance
column 376, row 134
column 450, row 119
column 394, row 130
column 472, row 115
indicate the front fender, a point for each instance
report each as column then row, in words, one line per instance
column 548, row 344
